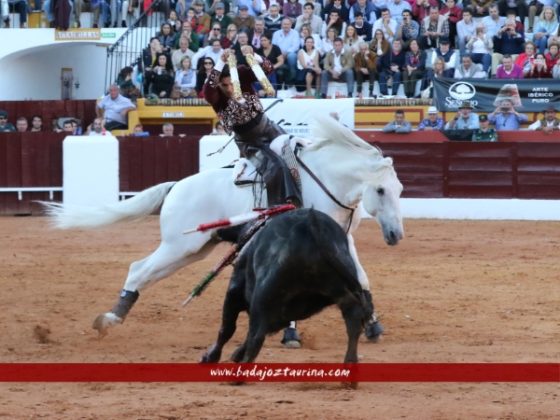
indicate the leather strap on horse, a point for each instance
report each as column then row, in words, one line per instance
column 329, row 194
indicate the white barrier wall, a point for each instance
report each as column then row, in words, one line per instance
column 90, row 170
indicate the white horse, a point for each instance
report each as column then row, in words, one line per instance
column 347, row 171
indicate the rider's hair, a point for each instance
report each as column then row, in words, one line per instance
column 225, row 72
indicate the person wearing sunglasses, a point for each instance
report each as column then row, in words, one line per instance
column 5, row 126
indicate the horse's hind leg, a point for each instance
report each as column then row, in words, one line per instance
column 163, row 262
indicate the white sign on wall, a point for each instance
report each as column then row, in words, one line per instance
column 296, row 115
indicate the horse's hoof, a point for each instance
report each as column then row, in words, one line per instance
column 350, row 385
column 291, row 339
column 373, row 331
column 104, row 321
column 211, row 356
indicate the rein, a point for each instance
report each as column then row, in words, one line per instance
column 329, row 194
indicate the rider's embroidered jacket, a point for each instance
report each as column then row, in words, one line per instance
column 233, row 113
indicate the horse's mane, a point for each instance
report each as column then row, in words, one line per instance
column 325, row 130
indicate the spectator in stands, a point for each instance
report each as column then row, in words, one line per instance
column 379, row 44
column 333, row 21
column 536, row 8
column 392, row 65
column 396, row 8
column 451, row 57
column 552, row 56
column 508, row 40
column 185, row 80
column 546, row 26
column 365, row 67
column 214, row 34
column 167, row 130
column 465, row 118
column 126, row 85
column 508, row 69
column 469, row 70
column 213, row 51
column 36, row 123
column 257, row 33
column 76, row 127
column 367, row 11
column 187, row 32
column 339, row 66
column 437, row 71
column 182, row 7
column 434, row 122
column 454, row 14
column 408, row 30
column 340, row 8
column 68, row 127
column 254, row 7
column 539, row 69
column 549, row 123
column 244, row 21
column 480, row 8
column 480, row 48
column 149, row 60
column 519, row 8
column 434, row 27
column 138, row 131
column 421, row 8
column 22, row 125
column 203, row 20
column 399, row 124
column 415, row 60
column 182, row 52
column 114, row 108
column 310, row 18
column 221, row 18
column 20, row 7
column 162, row 77
column 230, row 39
column 212, row 6
column 203, row 73
column 387, row 25
column 287, row 39
column 173, row 20
column 327, row 44
column 309, row 70
column 96, row 128
column 292, row 9
column 525, row 59
column 273, row 20
column 484, row 132
column 363, row 27
column 505, row 117
column 493, row 22
column 304, row 32
column 466, row 29
column 5, row 126
column 351, row 39
column 274, row 55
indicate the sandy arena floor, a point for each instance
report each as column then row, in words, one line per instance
column 450, row 292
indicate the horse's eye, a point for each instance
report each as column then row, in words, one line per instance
column 380, row 191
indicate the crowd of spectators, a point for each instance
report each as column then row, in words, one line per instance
column 391, row 42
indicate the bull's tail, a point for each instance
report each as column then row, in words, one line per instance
column 142, row 204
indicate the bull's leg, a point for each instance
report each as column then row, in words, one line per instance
column 255, row 339
column 291, row 338
column 353, row 317
column 164, row 261
column 373, row 329
column 239, row 353
column 234, row 303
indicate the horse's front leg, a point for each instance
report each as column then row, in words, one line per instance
column 373, row 329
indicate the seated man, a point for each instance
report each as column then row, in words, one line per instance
column 114, row 108
column 550, row 123
column 465, row 118
column 339, row 66
column 469, row 70
column 22, row 125
column 391, row 66
column 433, row 122
column 484, row 132
column 5, row 126
column 399, row 124
column 508, row 69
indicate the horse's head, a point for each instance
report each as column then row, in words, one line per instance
column 381, row 200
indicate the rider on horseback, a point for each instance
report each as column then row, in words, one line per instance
column 252, row 129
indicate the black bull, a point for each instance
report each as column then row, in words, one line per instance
column 298, row 264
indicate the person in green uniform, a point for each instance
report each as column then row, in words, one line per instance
column 484, row 132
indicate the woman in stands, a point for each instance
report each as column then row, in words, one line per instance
column 162, row 77
column 539, row 69
column 415, row 61
column 308, row 68
column 327, row 44
column 185, row 79
column 174, row 21
column 230, row 39
column 480, row 48
column 351, row 39
column 379, row 44
column 546, row 26
column 166, row 37
column 304, row 32
column 526, row 58
column 553, row 55
column 273, row 53
column 437, row 71
column 202, row 74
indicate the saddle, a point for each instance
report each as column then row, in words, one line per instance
column 245, row 171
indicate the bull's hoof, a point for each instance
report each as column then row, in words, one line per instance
column 291, row 339
column 105, row 321
column 374, row 330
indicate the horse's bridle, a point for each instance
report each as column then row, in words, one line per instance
column 329, row 194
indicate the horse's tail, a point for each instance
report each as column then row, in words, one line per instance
column 142, row 204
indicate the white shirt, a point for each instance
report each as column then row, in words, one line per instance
column 538, row 124
column 113, row 108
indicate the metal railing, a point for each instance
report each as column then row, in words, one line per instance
column 127, row 50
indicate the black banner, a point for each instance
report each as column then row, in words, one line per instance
column 534, row 95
